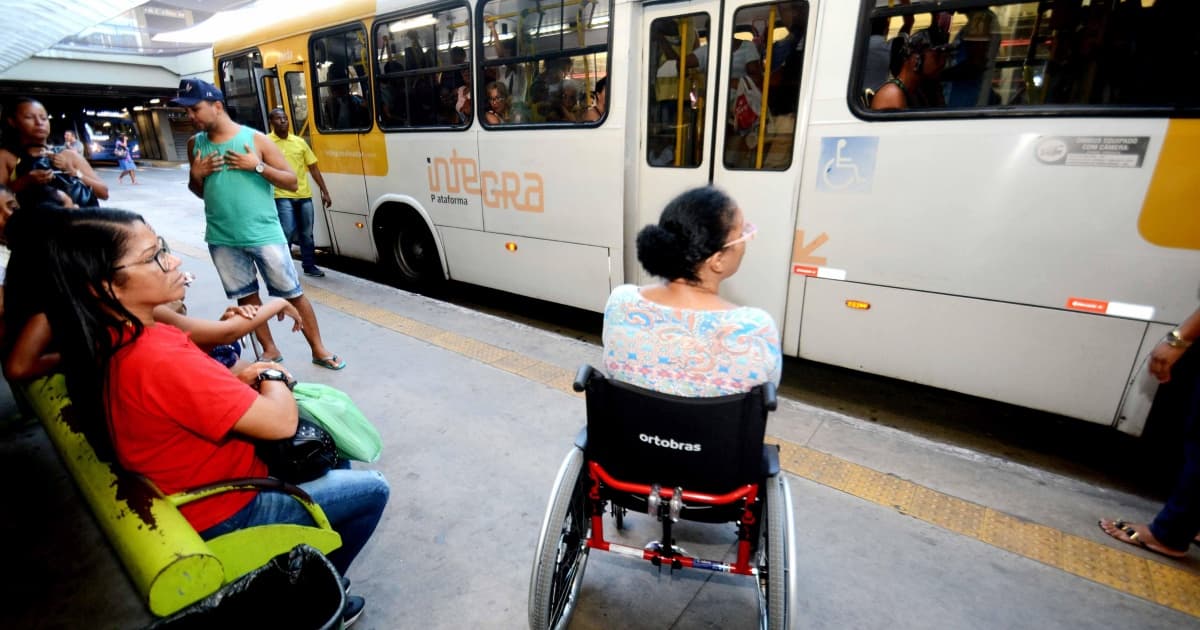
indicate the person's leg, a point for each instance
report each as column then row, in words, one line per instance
column 304, row 234
column 1179, row 521
column 133, row 174
column 239, row 277
column 353, row 501
column 275, row 264
column 287, row 218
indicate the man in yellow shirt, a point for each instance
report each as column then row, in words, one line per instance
column 295, row 208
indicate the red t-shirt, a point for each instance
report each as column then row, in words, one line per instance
column 172, row 408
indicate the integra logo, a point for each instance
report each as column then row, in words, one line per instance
column 671, row 444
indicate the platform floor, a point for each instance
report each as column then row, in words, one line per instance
column 476, row 413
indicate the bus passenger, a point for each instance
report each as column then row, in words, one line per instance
column 916, row 63
column 500, row 106
column 600, row 96
column 680, row 337
column 168, row 411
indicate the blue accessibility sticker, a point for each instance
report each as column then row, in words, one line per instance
column 847, row 164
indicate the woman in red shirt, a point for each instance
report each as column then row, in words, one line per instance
column 173, row 414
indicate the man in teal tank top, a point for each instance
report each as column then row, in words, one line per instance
column 234, row 169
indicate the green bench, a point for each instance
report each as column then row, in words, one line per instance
column 170, row 565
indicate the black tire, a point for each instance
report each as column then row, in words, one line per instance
column 562, row 549
column 775, row 584
column 410, row 252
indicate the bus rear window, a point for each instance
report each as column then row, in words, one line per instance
column 1021, row 56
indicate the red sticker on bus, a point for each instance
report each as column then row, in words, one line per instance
column 804, row 270
column 1090, row 306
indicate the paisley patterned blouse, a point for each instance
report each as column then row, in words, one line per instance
column 688, row 352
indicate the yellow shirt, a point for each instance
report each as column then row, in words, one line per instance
column 299, row 157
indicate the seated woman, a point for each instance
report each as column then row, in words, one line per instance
column 680, row 337
column 173, row 414
column 32, row 169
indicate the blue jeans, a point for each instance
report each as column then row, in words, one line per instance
column 1179, row 521
column 353, row 500
column 296, row 218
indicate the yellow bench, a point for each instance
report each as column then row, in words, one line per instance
column 170, row 565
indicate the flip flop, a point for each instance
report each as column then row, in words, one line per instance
column 278, row 359
column 1132, row 538
column 331, row 362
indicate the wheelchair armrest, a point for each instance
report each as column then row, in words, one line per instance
column 770, row 460
column 254, row 483
column 769, row 399
column 582, row 377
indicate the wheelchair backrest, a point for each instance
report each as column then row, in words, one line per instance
column 711, row 445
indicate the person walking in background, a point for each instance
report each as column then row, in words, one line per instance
column 125, row 160
column 71, row 143
column 1176, row 526
column 233, row 169
column 295, row 208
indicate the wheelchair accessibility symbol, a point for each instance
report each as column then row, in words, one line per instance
column 847, row 164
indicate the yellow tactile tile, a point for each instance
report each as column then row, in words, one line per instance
column 1126, row 571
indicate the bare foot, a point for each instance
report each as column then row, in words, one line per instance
column 1138, row 534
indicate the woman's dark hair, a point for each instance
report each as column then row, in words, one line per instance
column 88, row 322
column 693, row 227
column 10, row 138
column 601, row 85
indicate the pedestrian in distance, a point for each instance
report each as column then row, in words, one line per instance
column 71, row 143
column 295, row 208
column 125, row 160
column 233, row 169
column 1178, row 523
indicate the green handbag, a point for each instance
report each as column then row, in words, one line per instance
column 332, row 409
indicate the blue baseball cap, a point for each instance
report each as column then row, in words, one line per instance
column 192, row 91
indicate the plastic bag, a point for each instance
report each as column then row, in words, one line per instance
column 747, row 105
column 299, row 589
column 355, row 436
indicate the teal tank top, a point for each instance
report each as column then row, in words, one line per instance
column 239, row 206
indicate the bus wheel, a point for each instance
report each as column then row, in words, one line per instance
column 410, row 252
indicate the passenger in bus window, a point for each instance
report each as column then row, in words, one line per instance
column 1177, row 524
column 916, row 63
column 599, row 102
column 968, row 80
column 680, row 336
column 500, row 108
column 783, row 93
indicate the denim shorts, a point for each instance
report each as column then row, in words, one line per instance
column 239, row 267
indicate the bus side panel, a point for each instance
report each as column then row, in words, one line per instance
column 1067, row 363
column 440, row 169
column 530, row 266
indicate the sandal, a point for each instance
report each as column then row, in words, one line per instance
column 331, row 362
column 1131, row 537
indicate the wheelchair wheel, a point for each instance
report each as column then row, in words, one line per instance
column 562, row 549
column 776, row 552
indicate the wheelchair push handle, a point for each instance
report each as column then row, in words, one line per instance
column 769, row 396
column 582, row 377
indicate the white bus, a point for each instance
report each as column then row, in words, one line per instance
column 1025, row 229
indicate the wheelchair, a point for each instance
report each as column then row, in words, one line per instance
column 696, row 459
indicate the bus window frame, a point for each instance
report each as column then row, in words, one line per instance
column 867, row 11
column 480, row 60
column 378, row 76
column 256, row 86
column 317, row 85
column 288, row 104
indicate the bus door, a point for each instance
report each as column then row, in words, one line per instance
column 720, row 107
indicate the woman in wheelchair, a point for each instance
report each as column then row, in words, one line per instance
column 675, row 430
column 680, row 336
column 170, row 412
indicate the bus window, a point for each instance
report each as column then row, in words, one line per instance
column 343, row 94
column 1106, row 53
column 541, row 67
column 762, row 97
column 675, row 122
column 241, row 90
column 423, row 70
column 298, row 103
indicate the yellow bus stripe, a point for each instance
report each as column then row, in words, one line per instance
column 1109, row 564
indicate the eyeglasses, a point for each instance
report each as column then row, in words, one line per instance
column 495, row 98
column 748, row 232
column 159, row 257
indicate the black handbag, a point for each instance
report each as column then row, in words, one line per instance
column 303, row 457
column 74, row 187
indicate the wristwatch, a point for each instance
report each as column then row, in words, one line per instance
column 276, row 375
column 1175, row 340
column 260, row 167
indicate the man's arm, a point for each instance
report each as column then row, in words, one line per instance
column 316, row 173
column 201, row 168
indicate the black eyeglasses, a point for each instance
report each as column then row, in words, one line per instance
column 159, row 257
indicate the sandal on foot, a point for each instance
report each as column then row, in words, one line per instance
column 331, row 362
column 1131, row 537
